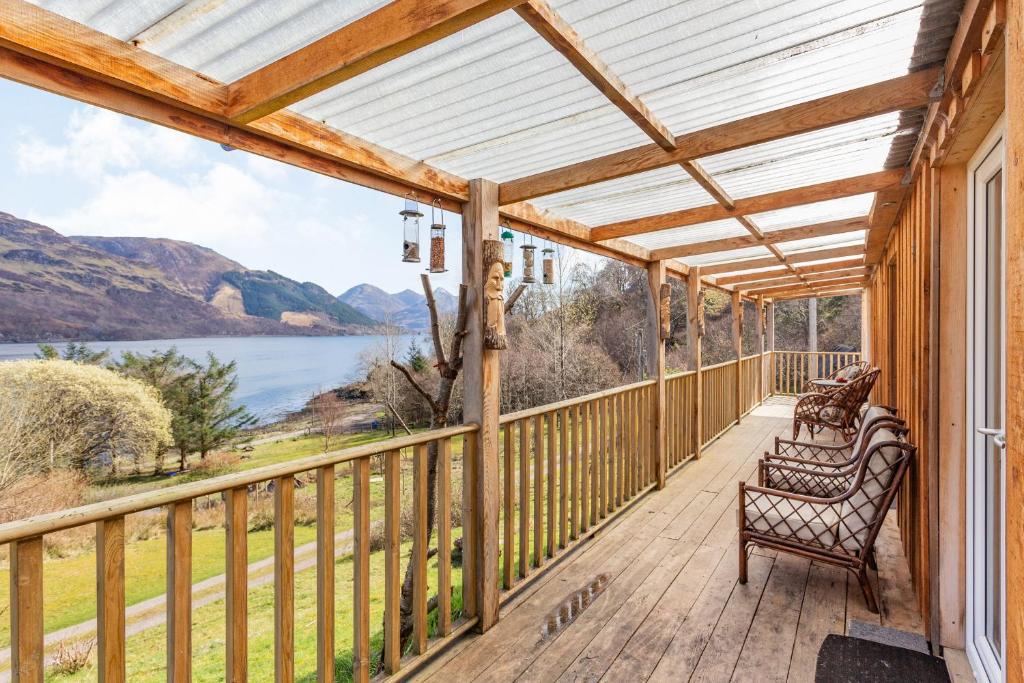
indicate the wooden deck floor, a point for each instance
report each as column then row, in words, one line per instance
column 672, row 609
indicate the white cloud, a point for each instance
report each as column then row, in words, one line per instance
column 96, row 141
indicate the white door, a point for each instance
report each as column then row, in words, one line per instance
column 987, row 442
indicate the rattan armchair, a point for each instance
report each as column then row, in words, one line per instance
column 812, row 453
column 848, row 372
column 838, row 410
column 837, row 529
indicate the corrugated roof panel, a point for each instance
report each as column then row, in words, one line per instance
column 690, row 234
column 658, row 191
column 726, row 256
column 840, row 240
column 819, row 212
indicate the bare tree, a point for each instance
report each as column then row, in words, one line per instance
column 328, row 411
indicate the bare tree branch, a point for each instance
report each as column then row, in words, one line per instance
column 398, row 417
column 460, row 333
column 514, row 297
column 415, row 385
column 435, row 326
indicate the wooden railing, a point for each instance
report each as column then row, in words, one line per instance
column 565, row 470
column 26, row 552
column 793, row 369
column 566, row 467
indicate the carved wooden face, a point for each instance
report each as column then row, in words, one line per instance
column 494, row 300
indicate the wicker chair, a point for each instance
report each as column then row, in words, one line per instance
column 838, row 529
column 813, row 453
column 848, row 372
column 839, row 410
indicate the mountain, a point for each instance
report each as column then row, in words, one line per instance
column 54, row 287
column 404, row 309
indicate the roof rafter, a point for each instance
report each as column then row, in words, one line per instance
column 768, row 262
column 904, row 92
column 816, row 286
column 381, row 36
column 774, row 237
column 815, row 295
column 809, row 280
column 808, row 194
column 782, row 272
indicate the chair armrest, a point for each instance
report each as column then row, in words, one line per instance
column 803, row 481
column 812, row 451
column 807, row 463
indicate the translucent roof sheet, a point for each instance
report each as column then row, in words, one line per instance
column 497, row 101
column 844, row 239
column 726, row 256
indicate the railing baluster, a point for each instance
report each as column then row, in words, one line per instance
column 563, row 475
column 586, row 466
column 524, row 497
column 575, row 473
column 602, row 507
column 325, row 571
column 360, row 571
column 538, row 490
column 595, row 461
column 27, row 609
column 284, row 579
column 110, row 633
column 551, row 500
column 419, row 549
column 179, row 591
column 444, row 537
column 236, row 517
column 392, row 560
column 619, row 452
column 506, row 576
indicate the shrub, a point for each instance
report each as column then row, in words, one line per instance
column 71, row 657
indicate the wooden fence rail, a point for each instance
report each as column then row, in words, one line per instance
column 793, row 369
column 565, row 470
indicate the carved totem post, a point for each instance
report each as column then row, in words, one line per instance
column 494, row 295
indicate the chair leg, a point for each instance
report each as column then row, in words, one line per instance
column 865, row 586
column 796, row 428
column 743, row 561
column 872, row 561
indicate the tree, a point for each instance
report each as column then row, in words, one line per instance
column 328, row 411
column 78, row 353
column 414, row 357
column 211, row 420
column 79, row 416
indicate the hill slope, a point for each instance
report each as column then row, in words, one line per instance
column 404, row 309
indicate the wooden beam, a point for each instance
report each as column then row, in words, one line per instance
column 884, row 211
column 694, row 360
column 394, row 30
column 808, row 194
column 808, row 280
column 481, row 405
column 561, row 36
column 905, row 92
column 737, row 347
column 821, row 295
column 656, row 369
column 768, row 262
column 774, row 237
column 817, row 286
column 783, row 272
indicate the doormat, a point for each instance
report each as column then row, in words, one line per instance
column 843, row 659
column 887, row 636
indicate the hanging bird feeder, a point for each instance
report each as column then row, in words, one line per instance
column 411, row 216
column 507, row 245
column 548, row 263
column 529, row 252
column 436, row 238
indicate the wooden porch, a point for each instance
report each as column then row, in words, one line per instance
column 671, row 609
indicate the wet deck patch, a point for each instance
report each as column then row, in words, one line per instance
column 573, row 605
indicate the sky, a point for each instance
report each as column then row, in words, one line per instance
column 82, row 170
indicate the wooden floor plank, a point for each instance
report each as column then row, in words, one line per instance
column 823, row 612
column 898, row 604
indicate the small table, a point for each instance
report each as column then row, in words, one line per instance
column 828, row 383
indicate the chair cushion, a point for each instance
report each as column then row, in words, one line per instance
column 849, row 373
column 868, row 414
column 860, row 511
column 792, row 519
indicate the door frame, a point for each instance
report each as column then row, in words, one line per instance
column 981, row 659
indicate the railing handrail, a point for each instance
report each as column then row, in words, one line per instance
column 568, row 403
column 723, row 364
column 94, row 512
column 818, row 353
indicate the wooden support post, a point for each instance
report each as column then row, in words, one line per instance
column 737, row 345
column 656, row 369
column 481, row 405
column 325, row 574
column 812, row 336
column 27, row 610
column 1015, row 341
column 179, row 591
column 770, row 333
column 284, row 578
column 236, row 585
column 760, row 349
column 693, row 302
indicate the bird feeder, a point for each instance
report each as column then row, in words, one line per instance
column 506, row 241
column 411, row 216
column 529, row 252
column 436, row 238
column 548, row 264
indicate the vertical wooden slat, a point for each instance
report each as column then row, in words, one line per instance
column 470, row 495
column 360, row 570
column 538, row 490
column 325, row 570
column 392, row 559
column 586, row 466
column 563, row 476
column 419, row 549
column 602, row 445
column 617, row 450
column 236, row 516
column 110, row 633
column 284, row 579
column 179, row 591
column 524, row 497
column 27, row 610
column 444, row 537
column 551, row 466
column 509, row 505
column 575, row 422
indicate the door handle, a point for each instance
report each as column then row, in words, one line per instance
column 998, row 435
